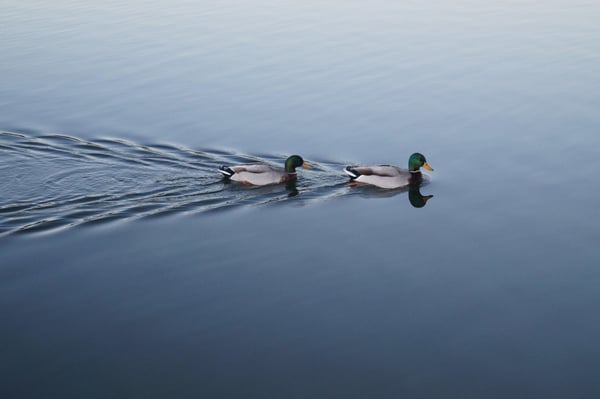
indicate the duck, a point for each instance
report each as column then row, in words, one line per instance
column 389, row 176
column 262, row 174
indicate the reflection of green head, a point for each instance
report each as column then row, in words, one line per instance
column 291, row 188
column 293, row 162
column 416, row 161
column 416, row 199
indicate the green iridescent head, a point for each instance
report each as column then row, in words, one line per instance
column 416, row 161
column 293, row 162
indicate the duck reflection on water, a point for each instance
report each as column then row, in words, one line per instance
column 415, row 197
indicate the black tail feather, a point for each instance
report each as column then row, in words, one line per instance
column 350, row 171
column 226, row 170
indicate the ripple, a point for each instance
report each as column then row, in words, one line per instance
column 54, row 181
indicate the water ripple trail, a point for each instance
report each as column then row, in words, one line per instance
column 55, row 181
column 52, row 182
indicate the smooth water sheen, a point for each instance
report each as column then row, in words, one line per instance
column 129, row 268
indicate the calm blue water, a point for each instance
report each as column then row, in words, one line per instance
column 129, row 269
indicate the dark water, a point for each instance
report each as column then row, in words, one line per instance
column 128, row 268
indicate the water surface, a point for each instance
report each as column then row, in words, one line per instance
column 128, row 268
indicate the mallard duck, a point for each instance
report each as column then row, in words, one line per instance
column 389, row 176
column 260, row 174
